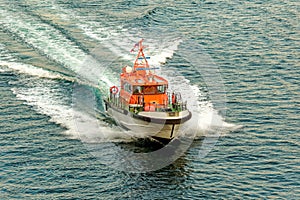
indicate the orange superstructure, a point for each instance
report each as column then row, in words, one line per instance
column 140, row 86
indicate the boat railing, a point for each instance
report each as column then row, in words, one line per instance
column 175, row 101
column 171, row 106
column 177, row 107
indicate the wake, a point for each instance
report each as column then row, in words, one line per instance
column 97, row 72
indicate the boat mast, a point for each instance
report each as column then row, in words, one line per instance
column 139, row 55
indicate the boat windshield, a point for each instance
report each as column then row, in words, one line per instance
column 153, row 89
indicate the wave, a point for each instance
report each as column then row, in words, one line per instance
column 143, row 12
column 42, row 37
column 54, row 99
column 33, row 71
column 5, row 54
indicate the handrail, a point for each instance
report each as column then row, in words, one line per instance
column 176, row 106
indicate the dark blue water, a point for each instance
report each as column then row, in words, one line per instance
column 54, row 145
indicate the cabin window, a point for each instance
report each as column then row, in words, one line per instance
column 149, row 90
column 138, row 89
column 154, row 89
column 127, row 87
column 161, row 89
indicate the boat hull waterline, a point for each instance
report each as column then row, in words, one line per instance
column 158, row 125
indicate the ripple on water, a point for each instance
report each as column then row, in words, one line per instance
column 255, row 46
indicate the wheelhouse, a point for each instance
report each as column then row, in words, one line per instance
column 147, row 91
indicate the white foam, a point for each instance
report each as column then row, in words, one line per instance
column 99, row 33
column 206, row 121
column 31, row 70
column 2, row 69
column 48, row 41
column 158, row 53
column 80, row 124
column 116, row 48
column 163, row 52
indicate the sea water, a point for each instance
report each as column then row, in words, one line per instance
column 236, row 63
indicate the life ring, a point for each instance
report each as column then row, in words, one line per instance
column 114, row 89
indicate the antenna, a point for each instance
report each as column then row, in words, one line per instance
column 140, row 55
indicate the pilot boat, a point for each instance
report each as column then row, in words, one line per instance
column 142, row 103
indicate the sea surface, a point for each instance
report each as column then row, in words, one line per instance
column 235, row 62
